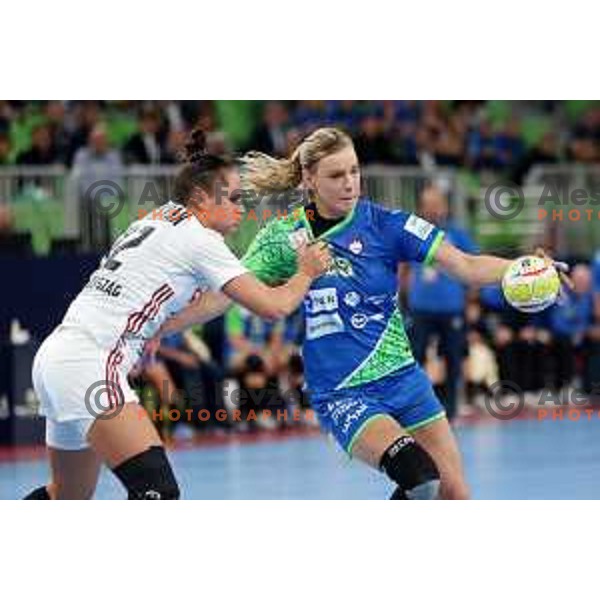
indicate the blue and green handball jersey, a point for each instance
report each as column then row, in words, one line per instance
column 354, row 332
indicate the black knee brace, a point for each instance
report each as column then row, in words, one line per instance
column 406, row 463
column 40, row 493
column 148, row 476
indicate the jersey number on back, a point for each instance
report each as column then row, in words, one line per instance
column 132, row 240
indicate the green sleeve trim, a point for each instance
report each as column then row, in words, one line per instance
column 420, row 424
column 430, row 257
column 361, row 430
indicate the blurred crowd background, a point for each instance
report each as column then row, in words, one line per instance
column 434, row 157
column 476, row 134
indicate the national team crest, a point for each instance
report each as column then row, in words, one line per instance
column 356, row 246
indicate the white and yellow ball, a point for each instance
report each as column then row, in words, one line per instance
column 531, row 284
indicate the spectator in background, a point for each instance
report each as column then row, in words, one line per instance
column 544, row 152
column 509, row 147
column 12, row 243
column 480, row 147
column 87, row 117
column 256, row 359
column 345, row 114
column 55, row 113
column 185, row 377
column 176, row 139
column 270, row 135
column 6, row 220
column 403, row 143
column 146, row 146
column 585, row 141
column 570, row 319
column 6, row 115
column 505, row 350
column 42, row 151
column 309, row 114
column 249, row 335
column 437, row 302
column 480, row 368
column 97, row 160
column 449, row 143
column 371, row 145
column 5, row 149
column 94, row 163
column 399, row 112
column 216, row 143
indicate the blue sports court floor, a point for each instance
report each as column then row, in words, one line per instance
column 510, row 460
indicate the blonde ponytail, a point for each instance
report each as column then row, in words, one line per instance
column 265, row 173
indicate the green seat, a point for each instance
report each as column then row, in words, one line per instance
column 43, row 217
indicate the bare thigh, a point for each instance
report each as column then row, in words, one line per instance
column 378, row 435
column 128, row 433
column 74, row 474
column 438, row 440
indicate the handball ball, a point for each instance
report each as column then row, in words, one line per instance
column 531, row 284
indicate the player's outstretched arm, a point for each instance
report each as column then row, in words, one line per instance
column 209, row 306
column 276, row 303
column 485, row 269
column 476, row 270
column 268, row 302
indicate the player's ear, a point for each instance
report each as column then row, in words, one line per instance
column 308, row 182
column 199, row 197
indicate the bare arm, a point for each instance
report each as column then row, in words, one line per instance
column 208, row 307
column 269, row 303
column 477, row 270
column 247, row 290
column 276, row 303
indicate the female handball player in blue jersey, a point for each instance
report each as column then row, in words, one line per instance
column 152, row 271
column 362, row 379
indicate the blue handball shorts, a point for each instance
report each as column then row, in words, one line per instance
column 407, row 396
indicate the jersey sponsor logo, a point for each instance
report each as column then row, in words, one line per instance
column 325, row 299
column 359, row 320
column 352, row 299
column 322, row 325
column 356, row 246
column 418, row 227
column 377, row 300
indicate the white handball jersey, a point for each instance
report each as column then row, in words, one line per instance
column 152, row 271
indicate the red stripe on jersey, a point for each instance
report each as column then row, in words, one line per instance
column 135, row 322
column 135, row 319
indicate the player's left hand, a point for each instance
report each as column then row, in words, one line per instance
column 562, row 268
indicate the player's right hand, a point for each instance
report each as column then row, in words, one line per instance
column 314, row 259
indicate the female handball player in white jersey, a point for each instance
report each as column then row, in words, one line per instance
column 151, row 272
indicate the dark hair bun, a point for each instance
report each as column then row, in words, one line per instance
column 195, row 147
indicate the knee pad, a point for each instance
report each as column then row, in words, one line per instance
column 148, row 476
column 407, row 464
column 40, row 493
